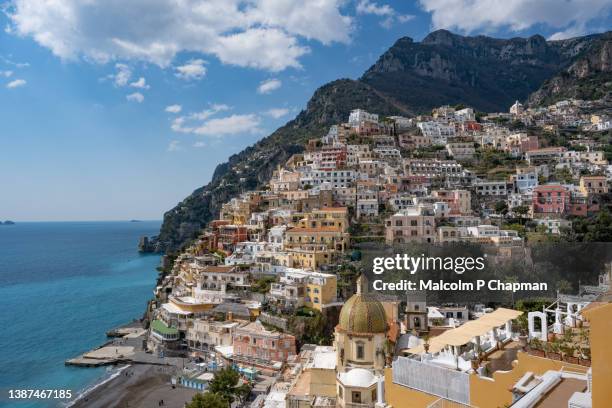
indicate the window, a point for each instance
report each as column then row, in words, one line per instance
column 360, row 350
column 356, row 397
column 340, row 392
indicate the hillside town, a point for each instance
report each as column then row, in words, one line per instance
column 271, row 288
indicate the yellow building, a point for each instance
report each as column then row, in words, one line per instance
column 336, row 217
column 599, row 316
column 237, row 211
column 327, row 227
column 310, row 256
column 541, row 382
column 316, row 384
column 593, row 185
column 321, row 290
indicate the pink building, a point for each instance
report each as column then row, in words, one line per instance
column 459, row 201
column 551, row 199
column 255, row 342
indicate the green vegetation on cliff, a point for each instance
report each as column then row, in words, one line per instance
column 486, row 73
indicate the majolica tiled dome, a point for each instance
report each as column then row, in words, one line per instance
column 362, row 313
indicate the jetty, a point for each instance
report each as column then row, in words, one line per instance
column 127, row 346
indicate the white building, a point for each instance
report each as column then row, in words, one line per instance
column 517, row 108
column 359, row 116
column 491, row 188
column 464, row 115
column 525, row 180
column 335, row 178
column 438, row 132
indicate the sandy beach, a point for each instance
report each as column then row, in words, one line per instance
column 137, row 386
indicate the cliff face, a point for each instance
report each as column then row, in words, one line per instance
column 589, row 76
column 254, row 166
column 486, row 73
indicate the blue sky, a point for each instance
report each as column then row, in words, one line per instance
column 118, row 110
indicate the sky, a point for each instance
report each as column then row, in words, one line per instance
column 114, row 110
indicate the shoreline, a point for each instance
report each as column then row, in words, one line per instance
column 90, row 389
column 136, row 386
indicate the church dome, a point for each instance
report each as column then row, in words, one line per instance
column 358, row 377
column 363, row 313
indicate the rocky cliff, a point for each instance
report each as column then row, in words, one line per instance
column 589, row 76
column 486, row 73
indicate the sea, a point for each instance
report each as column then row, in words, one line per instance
column 63, row 285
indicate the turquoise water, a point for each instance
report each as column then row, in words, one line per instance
column 62, row 286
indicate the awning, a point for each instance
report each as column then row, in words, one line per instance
column 466, row 332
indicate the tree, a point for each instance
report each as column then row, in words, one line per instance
column 501, row 207
column 226, row 384
column 564, row 286
column 521, row 211
column 207, row 400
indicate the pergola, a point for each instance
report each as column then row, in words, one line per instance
column 472, row 329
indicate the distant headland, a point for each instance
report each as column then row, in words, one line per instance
column 7, row 222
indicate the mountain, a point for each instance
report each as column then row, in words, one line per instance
column 589, row 76
column 486, row 73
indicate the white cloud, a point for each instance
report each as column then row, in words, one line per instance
column 270, row 49
column 204, row 123
column 207, row 113
column 122, row 76
column 367, row 7
column 265, row 34
column 135, row 97
column 193, row 69
column 13, row 63
column 267, row 86
column 174, row 146
column 569, row 16
column 141, row 83
column 6, row 74
column 185, row 124
column 16, row 83
column 391, row 16
column 199, row 144
column 277, row 113
column 229, row 125
column 173, row 108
